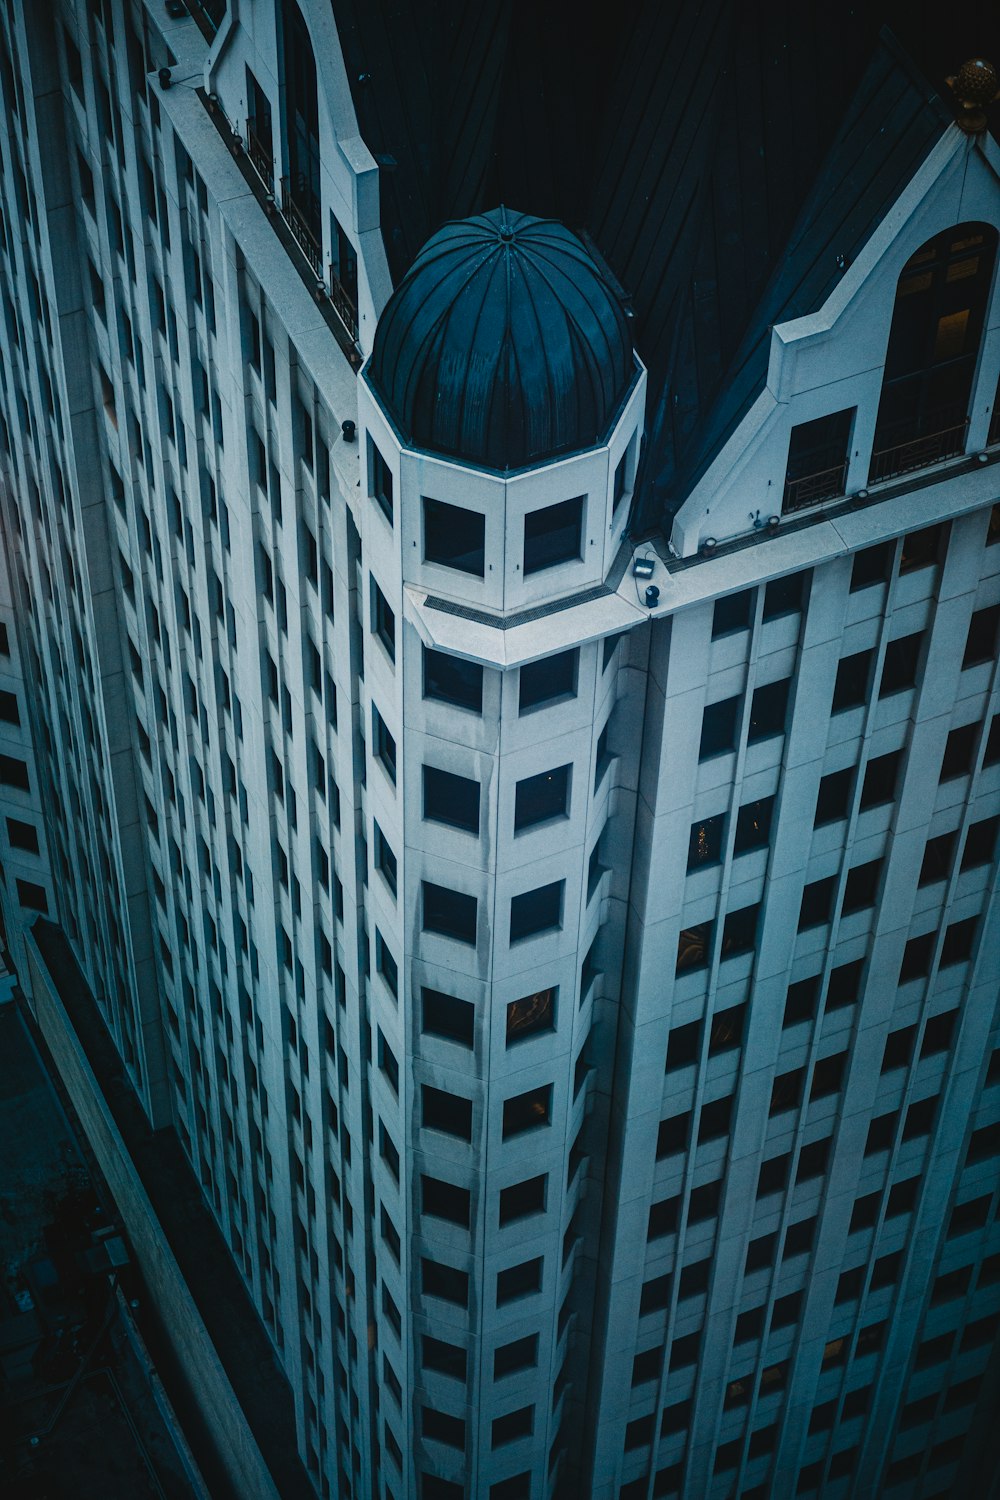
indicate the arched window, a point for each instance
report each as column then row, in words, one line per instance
column 937, row 323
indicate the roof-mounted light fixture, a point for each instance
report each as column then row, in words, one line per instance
column 643, row 567
column 975, row 86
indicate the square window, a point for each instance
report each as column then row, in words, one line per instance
column 872, row 566
column 672, row 1135
column 693, row 945
column 519, row 1281
column 881, row 776
column 553, row 535
column 663, row 1218
column 732, row 614
column 449, row 1113
column 386, row 965
column 921, row 549
column 899, row 670
column 853, row 677
column 547, row 681
column 445, row 1359
column 537, row 911
column 448, row 1017
column 522, row 1199
column 861, row 887
column 959, row 752
column 957, row 945
column 768, row 709
column 449, row 679
column 22, row 835
column 646, row 1366
column 785, row 596
column 383, row 745
column 713, row 1122
column 753, row 825
column 981, row 644
column 385, row 860
column 520, row 1354
column 531, row 1015
column 380, row 480
column 9, row 711
column 726, row 1029
column 387, row 1063
column 446, row 1282
column 845, row 983
column 454, row 537
column 980, row 843
column 450, row 913
column 541, row 798
column 31, row 896
column 817, row 460
column 451, row 799
column 801, row 1000
column 834, row 798
column 683, row 1046
column 718, row 728
column 917, row 956
column 527, row 1111
column 513, row 1425
column 655, row 1295
column 938, row 854
column 383, row 621
column 739, row 934
column 705, row 842
column 443, row 1200
column 991, row 755
column 817, row 900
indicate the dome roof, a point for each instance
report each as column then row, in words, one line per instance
column 503, row 345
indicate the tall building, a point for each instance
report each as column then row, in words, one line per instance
column 499, row 714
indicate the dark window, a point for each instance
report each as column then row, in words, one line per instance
column 919, row 1119
column 451, row 799
column 981, row 645
column 522, row 1199
column 713, row 1122
column 861, row 887
column 753, row 825
column 22, row 835
column 785, row 596
column 446, row 1016
column 959, row 752
column 786, row 1091
column 726, row 1029
column 799, row 1238
column 454, row 537
column 898, row 1048
column 31, row 896
column 749, row 1325
column 705, row 843
column 828, row 1076
column 520, row 1354
column 446, row 1112
column 957, row 945
column 383, row 621
column 446, row 1359
column 553, row 535
column 603, row 755
column 619, row 486
column 646, row 1366
column 383, row 745
column 768, row 709
column 443, row 1200
column 536, row 911
column 451, row 680
column 683, row 1045
column 739, row 934
column 527, row 1111
column 386, row 964
column 801, row 1000
column 547, row 681
column 760, row 1253
column 538, row 799
column 302, row 130
column 853, row 677
column 938, row 854
column 834, row 797
column 917, row 955
column 9, row 712
column 611, row 644
column 385, row 860
column 381, row 480
column 672, row 1135
column 684, row 1351
column 531, row 1015
column 519, row 1281
column 732, row 613
column 812, row 1161
column 655, row 1295
column 445, row 1282
column 938, row 1033
column 817, row 460
column 387, row 1063
column 881, row 776
column 899, row 670
column 991, row 755
column 704, row 1202
column 693, row 946
column 845, row 981
column 817, row 900
column 451, row 913
column 694, row 1279
column 718, row 728
column 882, row 1133
column 513, row 1425
column 663, row 1218
column 980, row 843
column 922, row 549
column 873, row 565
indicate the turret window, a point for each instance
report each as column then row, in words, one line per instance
column 454, row 537
column 553, row 535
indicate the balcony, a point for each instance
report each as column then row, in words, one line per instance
column 344, row 305
column 299, row 212
column 810, row 489
column 260, row 156
column 943, row 437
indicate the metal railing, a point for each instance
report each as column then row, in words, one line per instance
column 260, row 158
column 344, row 306
column 810, row 489
column 994, row 432
column 919, row 450
column 295, row 217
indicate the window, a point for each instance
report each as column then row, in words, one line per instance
column 768, row 708
column 449, row 1113
column 785, row 596
column 817, row 899
column 898, row 1048
column 22, row 835
column 540, row 798
column 801, row 1000
column 786, row 1091
column 450, row 913
column 380, row 480
column 383, row 745
column 383, row 621
column 818, row 452
column 385, row 860
column 938, row 854
column 610, row 646
column 834, row 798
column 713, row 1122
column 443, row 1200
column 938, row 1033
column 739, row 934
column 9, row 712
column 917, row 955
column 604, row 755
column 448, row 1017
column 515, row 1424
column 958, row 939
column 386, row 964
column 718, row 728
column 881, row 776
column 454, row 537
column 547, row 681
column 553, row 535
column 31, row 896
column 753, row 825
column 388, row 1064
column 853, row 676
column 693, row 947
column 537, row 911
column 980, row 843
column 451, row 799
column 655, row 1295
column 520, row 1354
column 705, row 843
column 872, row 566
column 861, row 887
column 522, row 1199
column 959, row 752
column 531, row 1015
column 683, row 1046
column 845, row 982
column 519, row 1281
column 663, row 1218
column 732, row 614
column 899, row 670
column 445, row 1359
column 446, row 1282
column 646, row 1366
column 726, row 1029
column 527, row 1111
column 448, row 679
column 981, row 644
column 828, row 1076
column 672, row 1135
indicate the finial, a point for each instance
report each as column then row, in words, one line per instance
column 975, row 85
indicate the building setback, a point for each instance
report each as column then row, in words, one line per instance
column 516, row 760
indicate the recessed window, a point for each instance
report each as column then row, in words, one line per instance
column 448, row 1017
column 522, row 1199
column 388, row 1065
column 957, row 945
column 980, row 843
column 531, row 1015
column 22, row 835
column 605, row 754
column 726, row 1029
column 959, row 752
column 818, row 452
column 449, row 679
column 451, row 799
column 853, row 677
column 443, row 1200
column 917, row 957
column 521, row 1354
column 921, row 549
column 683, row 1046
column 519, row 1281
column 608, row 649
column 739, row 934
column 753, row 825
column 672, row 1135
column 902, row 658
column 786, row 596
column 450, row 913
column 873, row 565
column 9, row 711
column 454, row 537
column 539, row 799
column 383, row 745
column 385, row 860
column 446, row 1282
column 801, row 1000
column 513, row 1425
column 834, row 797
column 718, row 728
column 620, row 481
column 386, row 965
column 768, row 709
column 732, row 614
column 547, row 681
column 936, row 864
column 981, row 643
column 383, row 621
column 705, row 842
column 31, row 896
column 881, row 776
column 845, row 982
column 553, row 535
column 449, row 1113
column 527, row 1111
column 817, row 901
column 445, row 1359
column 380, row 480
column 537, row 911
column 693, row 947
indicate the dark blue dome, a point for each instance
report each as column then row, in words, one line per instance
column 503, row 345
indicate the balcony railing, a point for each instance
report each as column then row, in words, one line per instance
column 344, row 306
column 260, row 158
column 921, row 449
column 293, row 194
column 810, row 489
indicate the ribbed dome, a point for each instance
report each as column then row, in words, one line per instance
column 503, row 345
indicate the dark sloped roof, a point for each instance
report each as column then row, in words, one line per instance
column 503, row 345
column 685, row 136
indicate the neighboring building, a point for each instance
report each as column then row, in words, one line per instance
column 518, row 763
